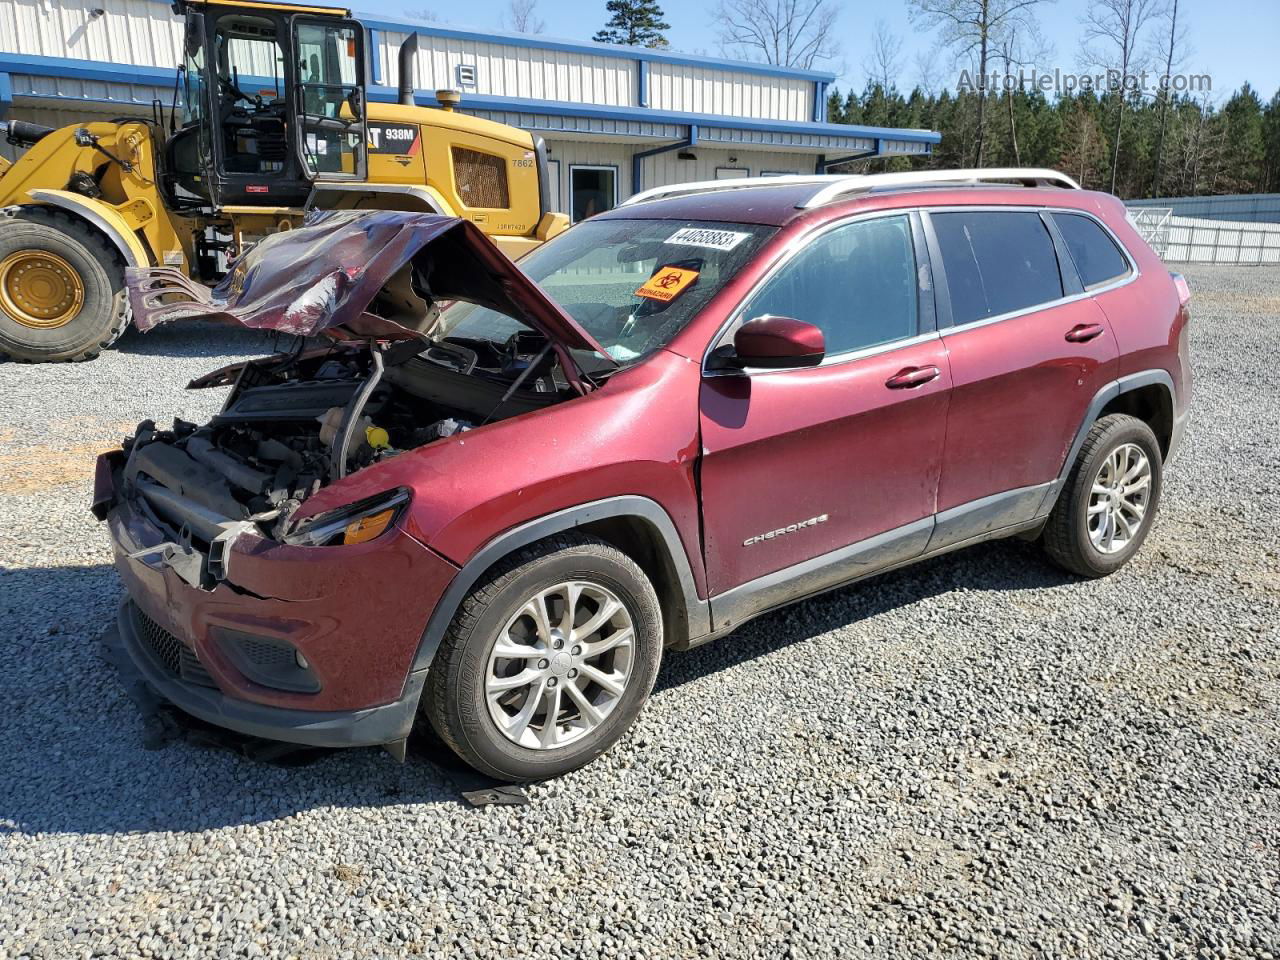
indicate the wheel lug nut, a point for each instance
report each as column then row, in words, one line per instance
column 572, row 674
column 543, row 664
column 551, row 681
column 557, row 644
column 577, row 651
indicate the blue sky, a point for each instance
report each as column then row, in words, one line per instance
column 1231, row 40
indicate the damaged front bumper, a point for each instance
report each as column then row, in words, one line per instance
column 372, row 726
column 311, row 645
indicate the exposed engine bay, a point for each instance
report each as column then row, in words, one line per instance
column 297, row 422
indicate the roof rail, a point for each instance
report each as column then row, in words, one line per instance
column 711, row 186
column 829, row 187
column 1025, row 176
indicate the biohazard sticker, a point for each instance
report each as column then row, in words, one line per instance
column 667, row 284
column 702, row 237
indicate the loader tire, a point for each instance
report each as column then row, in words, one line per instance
column 62, row 292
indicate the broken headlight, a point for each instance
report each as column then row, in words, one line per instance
column 355, row 523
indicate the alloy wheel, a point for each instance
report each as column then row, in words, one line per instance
column 1119, row 498
column 560, row 665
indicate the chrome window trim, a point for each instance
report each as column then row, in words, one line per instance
column 792, row 249
column 802, row 240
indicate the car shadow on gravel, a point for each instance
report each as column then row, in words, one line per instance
column 997, row 566
column 85, row 753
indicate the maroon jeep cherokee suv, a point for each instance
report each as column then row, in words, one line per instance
column 494, row 497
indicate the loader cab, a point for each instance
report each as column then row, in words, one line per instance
column 273, row 99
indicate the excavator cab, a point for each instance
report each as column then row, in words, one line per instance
column 273, row 100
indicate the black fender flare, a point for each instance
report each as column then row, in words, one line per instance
column 1115, row 388
column 697, row 610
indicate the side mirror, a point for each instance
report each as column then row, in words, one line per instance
column 775, row 343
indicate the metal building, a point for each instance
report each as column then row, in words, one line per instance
column 616, row 119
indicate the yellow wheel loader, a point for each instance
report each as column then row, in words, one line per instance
column 270, row 118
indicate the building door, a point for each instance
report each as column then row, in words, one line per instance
column 592, row 190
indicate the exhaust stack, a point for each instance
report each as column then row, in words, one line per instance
column 408, row 79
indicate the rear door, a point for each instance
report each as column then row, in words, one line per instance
column 1029, row 349
column 798, row 464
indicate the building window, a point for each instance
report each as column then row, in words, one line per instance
column 592, row 190
column 732, row 173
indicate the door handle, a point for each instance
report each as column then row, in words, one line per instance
column 1084, row 332
column 912, row 377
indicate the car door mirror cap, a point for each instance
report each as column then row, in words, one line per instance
column 772, row 343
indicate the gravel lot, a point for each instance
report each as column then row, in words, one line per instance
column 978, row 755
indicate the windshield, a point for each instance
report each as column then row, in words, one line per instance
column 632, row 284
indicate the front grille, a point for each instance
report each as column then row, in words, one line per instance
column 170, row 652
column 481, row 178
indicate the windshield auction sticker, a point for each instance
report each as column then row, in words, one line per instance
column 667, row 283
column 702, row 237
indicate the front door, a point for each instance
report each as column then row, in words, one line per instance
column 810, row 477
column 329, row 98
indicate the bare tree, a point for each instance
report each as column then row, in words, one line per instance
column 522, row 17
column 1172, row 49
column 423, row 13
column 884, row 62
column 1021, row 46
column 973, row 30
column 791, row 33
column 1112, row 31
column 926, row 67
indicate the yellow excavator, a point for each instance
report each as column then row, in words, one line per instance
column 270, row 119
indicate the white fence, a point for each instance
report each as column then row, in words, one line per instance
column 1231, row 229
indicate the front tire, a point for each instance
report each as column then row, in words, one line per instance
column 62, row 292
column 1110, row 500
column 548, row 661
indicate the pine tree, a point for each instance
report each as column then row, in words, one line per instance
column 635, row 23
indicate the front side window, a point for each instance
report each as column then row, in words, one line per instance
column 1094, row 253
column 632, row 284
column 856, row 282
column 996, row 262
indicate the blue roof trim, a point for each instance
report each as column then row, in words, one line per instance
column 482, row 101
column 85, row 69
column 6, row 93
column 590, row 47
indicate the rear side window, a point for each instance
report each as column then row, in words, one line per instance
column 1097, row 259
column 996, row 262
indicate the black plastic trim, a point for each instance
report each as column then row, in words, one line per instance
column 1115, row 388
column 697, row 610
column 819, row 574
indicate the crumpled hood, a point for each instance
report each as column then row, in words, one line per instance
column 325, row 275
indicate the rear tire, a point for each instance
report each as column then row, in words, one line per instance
column 475, row 699
column 75, row 306
column 1106, row 510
